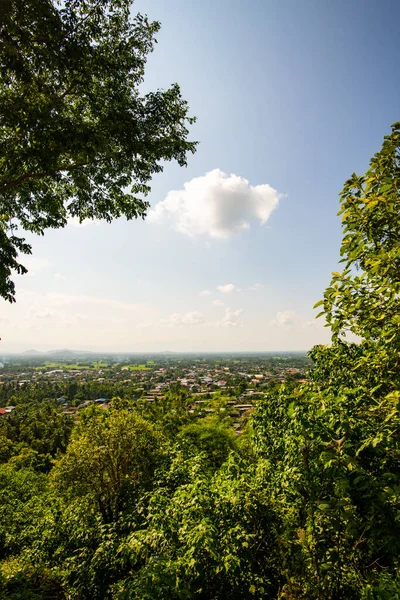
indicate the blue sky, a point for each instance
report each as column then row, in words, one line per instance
column 291, row 95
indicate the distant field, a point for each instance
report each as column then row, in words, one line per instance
column 135, row 368
column 73, row 367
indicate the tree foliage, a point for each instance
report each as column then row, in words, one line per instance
column 211, row 439
column 41, row 427
column 110, row 457
column 78, row 137
column 334, row 443
column 204, row 536
column 364, row 297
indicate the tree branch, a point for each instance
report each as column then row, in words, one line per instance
column 4, row 187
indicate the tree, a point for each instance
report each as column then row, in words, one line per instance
column 211, row 438
column 77, row 136
column 365, row 297
column 206, row 535
column 109, row 458
column 40, row 426
column 333, row 444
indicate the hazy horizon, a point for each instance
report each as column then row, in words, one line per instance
column 59, row 350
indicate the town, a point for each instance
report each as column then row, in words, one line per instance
column 208, row 383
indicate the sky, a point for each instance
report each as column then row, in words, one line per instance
column 291, row 98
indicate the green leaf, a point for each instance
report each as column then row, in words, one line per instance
column 319, row 303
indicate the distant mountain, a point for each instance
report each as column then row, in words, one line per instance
column 62, row 353
column 65, row 353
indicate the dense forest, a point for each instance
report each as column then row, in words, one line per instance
column 303, row 504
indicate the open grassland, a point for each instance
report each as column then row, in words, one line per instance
column 71, row 367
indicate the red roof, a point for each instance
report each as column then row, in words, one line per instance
column 3, row 411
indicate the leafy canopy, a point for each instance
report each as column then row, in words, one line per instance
column 110, row 456
column 365, row 297
column 333, row 444
column 77, row 136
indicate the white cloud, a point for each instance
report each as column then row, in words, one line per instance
column 46, row 314
column 228, row 288
column 285, row 318
column 232, row 314
column 256, row 287
column 74, row 320
column 143, row 325
column 218, row 302
column 180, row 319
column 216, row 205
column 56, row 299
column 54, row 320
column 230, row 319
column 195, row 318
column 59, row 277
column 71, row 320
column 205, row 293
column 314, row 323
column 290, row 321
